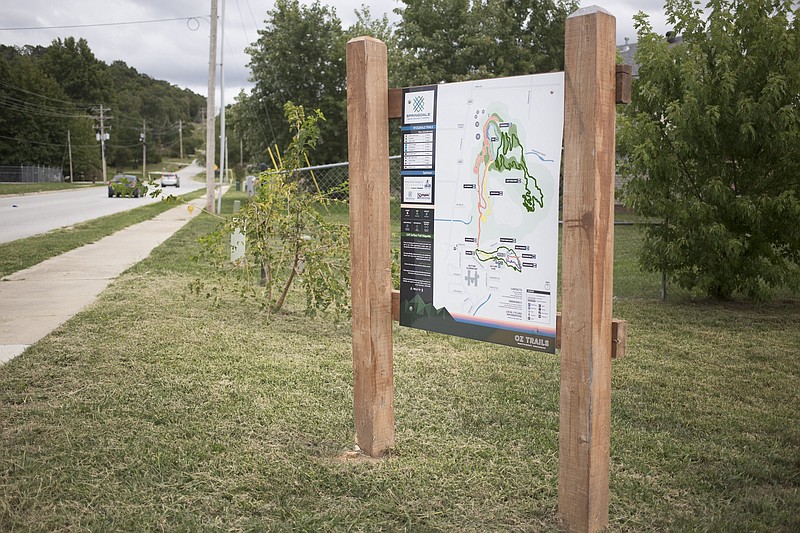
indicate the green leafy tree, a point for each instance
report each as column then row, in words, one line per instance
column 155, row 104
column 249, row 126
column 237, row 128
column 79, row 73
column 288, row 238
column 379, row 28
column 46, row 92
column 711, row 146
column 299, row 56
column 434, row 35
column 365, row 24
column 521, row 36
column 454, row 40
column 36, row 116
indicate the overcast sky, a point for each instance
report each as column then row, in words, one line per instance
column 177, row 51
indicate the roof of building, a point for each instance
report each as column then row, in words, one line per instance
column 628, row 50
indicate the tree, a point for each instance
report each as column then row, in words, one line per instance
column 365, row 24
column 454, row 40
column 711, row 146
column 73, row 65
column 525, row 36
column 46, row 92
column 246, row 119
column 37, row 116
column 288, row 239
column 141, row 100
column 382, row 29
column 434, row 36
column 299, row 56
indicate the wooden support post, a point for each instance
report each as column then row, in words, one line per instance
column 624, row 88
column 587, row 268
column 395, row 103
column 368, row 153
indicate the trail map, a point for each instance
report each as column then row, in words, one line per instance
column 479, row 243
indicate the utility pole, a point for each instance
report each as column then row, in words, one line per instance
column 143, row 138
column 223, row 139
column 102, row 136
column 69, row 147
column 180, row 135
column 211, row 100
column 241, row 152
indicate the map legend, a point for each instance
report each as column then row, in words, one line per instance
column 539, row 305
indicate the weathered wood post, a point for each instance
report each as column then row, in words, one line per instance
column 370, row 253
column 587, row 268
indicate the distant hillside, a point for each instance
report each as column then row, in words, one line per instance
column 48, row 93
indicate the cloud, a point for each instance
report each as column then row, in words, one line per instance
column 177, row 51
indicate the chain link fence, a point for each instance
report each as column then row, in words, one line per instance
column 30, row 174
column 629, row 279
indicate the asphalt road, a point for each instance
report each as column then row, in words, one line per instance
column 31, row 214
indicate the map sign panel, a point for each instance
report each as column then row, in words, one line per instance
column 479, row 215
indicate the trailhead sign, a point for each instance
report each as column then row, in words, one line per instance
column 479, row 211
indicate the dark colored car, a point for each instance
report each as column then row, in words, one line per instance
column 124, row 185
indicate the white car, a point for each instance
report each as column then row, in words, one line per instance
column 170, row 179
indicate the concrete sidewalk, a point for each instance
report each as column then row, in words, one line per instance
column 35, row 301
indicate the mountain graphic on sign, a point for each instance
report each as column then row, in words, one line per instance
column 419, row 308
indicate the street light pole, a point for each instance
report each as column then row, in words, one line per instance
column 69, row 145
column 210, row 108
column 103, row 137
column 144, row 152
column 223, row 140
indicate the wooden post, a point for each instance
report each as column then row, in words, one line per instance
column 587, row 267
column 368, row 153
column 624, row 88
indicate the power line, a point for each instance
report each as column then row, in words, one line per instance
column 21, row 106
column 3, row 82
column 63, row 145
column 263, row 104
column 187, row 19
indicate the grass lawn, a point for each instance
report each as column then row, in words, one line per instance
column 30, row 188
column 159, row 409
column 23, row 253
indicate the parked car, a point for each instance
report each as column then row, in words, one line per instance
column 125, row 185
column 169, row 179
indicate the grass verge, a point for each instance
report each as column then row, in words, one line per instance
column 23, row 253
column 30, row 188
column 156, row 408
